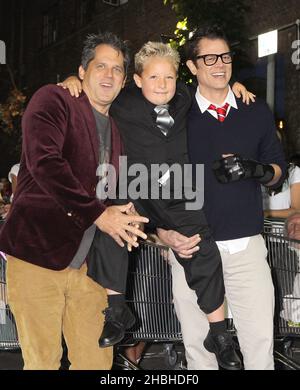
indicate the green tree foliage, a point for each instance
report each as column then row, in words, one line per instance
column 12, row 107
column 229, row 14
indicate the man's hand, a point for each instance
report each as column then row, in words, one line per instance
column 292, row 225
column 184, row 246
column 233, row 167
column 120, row 226
column 141, row 226
column 73, row 84
column 240, row 91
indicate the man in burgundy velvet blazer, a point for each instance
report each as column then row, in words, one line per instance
column 54, row 204
column 55, row 198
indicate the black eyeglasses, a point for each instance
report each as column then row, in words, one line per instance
column 211, row 59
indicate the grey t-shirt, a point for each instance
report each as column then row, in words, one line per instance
column 104, row 133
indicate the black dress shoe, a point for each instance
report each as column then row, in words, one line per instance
column 117, row 319
column 222, row 346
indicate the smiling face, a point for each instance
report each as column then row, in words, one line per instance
column 104, row 77
column 157, row 80
column 212, row 80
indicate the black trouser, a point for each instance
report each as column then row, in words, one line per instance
column 108, row 262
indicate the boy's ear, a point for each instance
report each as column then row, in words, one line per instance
column 137, row 80
column 124, row 82
column 192, row 67
column 81, row 72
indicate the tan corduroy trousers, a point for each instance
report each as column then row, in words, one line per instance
column 47, row 303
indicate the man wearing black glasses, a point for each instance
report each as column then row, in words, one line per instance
column 238, row 146
column 211, row 59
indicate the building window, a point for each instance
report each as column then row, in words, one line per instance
column 50, row 26
column 85, row 11
column 98, row 6
column 115, row 3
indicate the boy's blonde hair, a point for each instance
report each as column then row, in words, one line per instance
column 155, row 49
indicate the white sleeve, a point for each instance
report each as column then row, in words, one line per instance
column 13, row 171
column 294, row 175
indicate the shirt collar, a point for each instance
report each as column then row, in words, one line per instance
column 203, row 103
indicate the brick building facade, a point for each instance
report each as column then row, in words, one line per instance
column 44, row 39
column 45, row 36
column 267, row 15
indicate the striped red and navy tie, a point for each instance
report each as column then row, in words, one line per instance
column 221, row 111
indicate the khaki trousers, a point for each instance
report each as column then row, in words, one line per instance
column 46, row 304
column 250, row 295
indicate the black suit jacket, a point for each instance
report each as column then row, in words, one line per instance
column 142, row 139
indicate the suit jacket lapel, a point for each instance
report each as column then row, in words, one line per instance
column 89, row 119
column 116, row 146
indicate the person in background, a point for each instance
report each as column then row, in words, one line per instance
column 284, row 201
column 12, row 177
column 291, row 302
column 279, row 204
column 5, row 189
column 293, row 227
column 3, row 208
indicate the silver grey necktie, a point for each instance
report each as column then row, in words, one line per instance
column 164, row 120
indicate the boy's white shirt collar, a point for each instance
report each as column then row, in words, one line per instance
column 203, row 103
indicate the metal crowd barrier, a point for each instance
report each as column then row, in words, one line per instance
column 149, row 296
column 149, row 293
column 284, row 261
column 8, row 330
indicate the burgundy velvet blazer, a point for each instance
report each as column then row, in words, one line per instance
column 55, row 200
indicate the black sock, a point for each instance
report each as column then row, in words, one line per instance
column 116, row 299
column 217, row 327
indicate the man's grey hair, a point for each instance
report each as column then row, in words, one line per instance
column 106, row 38
column 155, row 49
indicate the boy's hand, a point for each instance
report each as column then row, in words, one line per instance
column 184, row 246
column 73, row 84
column 240, row 91
column 120, row 226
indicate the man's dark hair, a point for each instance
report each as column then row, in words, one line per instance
column 209, row 32
column 106, row 38
column 295, row 159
